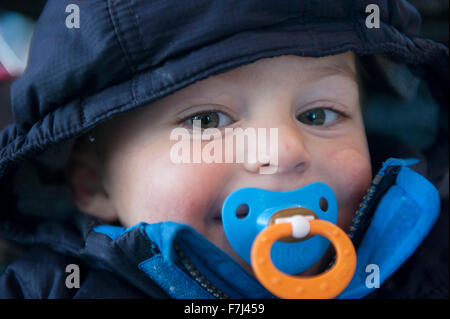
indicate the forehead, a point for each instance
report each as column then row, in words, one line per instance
column 340, row 64
column 294, row 69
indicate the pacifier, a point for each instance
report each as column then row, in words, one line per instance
column 284, row 233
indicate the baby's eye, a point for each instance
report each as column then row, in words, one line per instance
column 210, row 119
column 319, row 116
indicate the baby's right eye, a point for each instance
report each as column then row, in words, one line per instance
column 209, row 119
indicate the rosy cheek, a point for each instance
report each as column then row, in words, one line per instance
column 352, row 169
column 179, row 192
column 351, row 176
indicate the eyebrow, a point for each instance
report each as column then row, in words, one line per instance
column 342, row 69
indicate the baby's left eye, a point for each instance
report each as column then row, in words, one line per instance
column 319, row 116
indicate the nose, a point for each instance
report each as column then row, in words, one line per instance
column 288, row 151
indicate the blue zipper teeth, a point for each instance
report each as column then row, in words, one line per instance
column 195, row 274
column 360, row 215
column 363, row 215
column 361, row 212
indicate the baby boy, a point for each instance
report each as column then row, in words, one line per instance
column 126, row 174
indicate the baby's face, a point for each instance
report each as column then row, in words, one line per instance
column 314, row 104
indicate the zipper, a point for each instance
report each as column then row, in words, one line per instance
column 380, row 185
column 361, row 212
column 188, row 267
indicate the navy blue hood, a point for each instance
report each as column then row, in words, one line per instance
column 127, row 54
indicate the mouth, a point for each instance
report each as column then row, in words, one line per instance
column 218, row 218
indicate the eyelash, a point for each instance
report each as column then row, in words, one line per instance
column 330, row 108
column 336, row 117
column 214, row 110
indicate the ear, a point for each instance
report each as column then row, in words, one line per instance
column 85, row 179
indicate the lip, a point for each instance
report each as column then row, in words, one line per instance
column 241, row 212
column 217, row 213
column 215, row 210
column 218, row 218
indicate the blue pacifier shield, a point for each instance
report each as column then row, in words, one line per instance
column 291, row 258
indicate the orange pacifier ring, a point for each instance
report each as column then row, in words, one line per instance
column 326, row 285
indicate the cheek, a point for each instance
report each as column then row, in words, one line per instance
column 162, row 191
column 351, row 174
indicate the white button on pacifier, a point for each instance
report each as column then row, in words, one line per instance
column 300, row 224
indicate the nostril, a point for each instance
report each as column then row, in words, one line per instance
column 242, row 211
column 323, row 204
